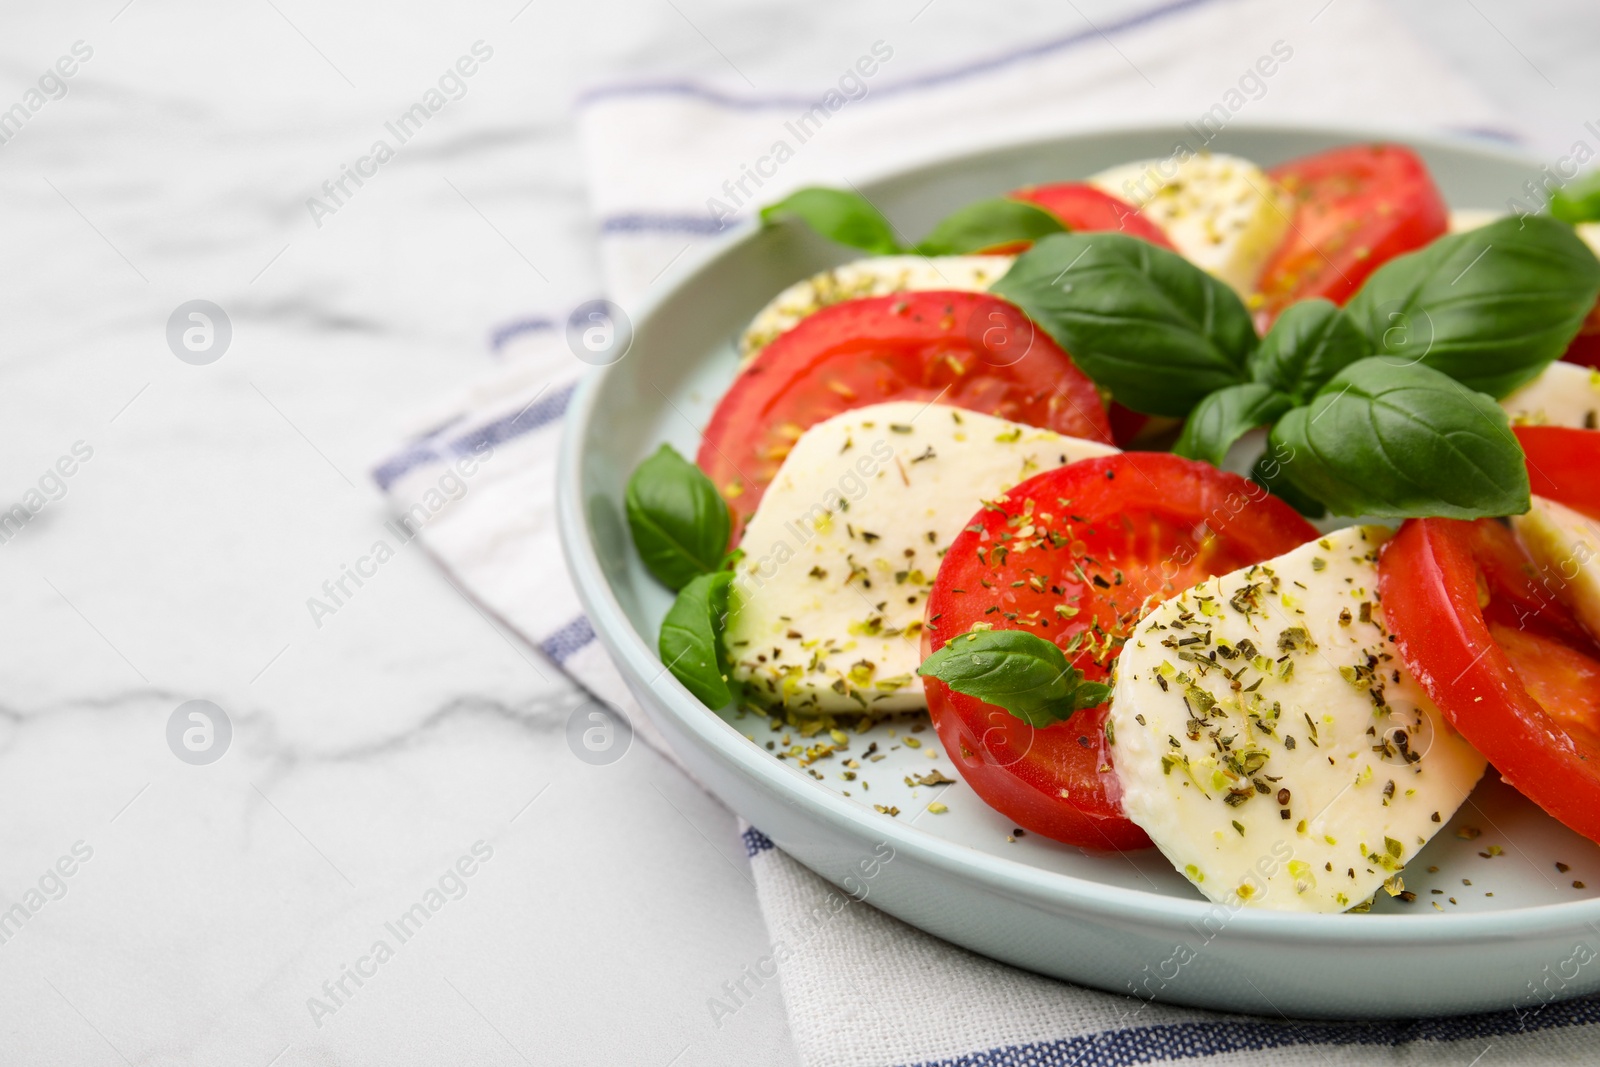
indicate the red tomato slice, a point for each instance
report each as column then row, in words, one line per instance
column 1126, row 424
column 1562, row 465
column 1083, row 207
column 1517, row 680
column 967, row 350
column 1563, row 680
column 1585, row 348
column 1356, row 208
column 1098, row 538
column 1519, row 599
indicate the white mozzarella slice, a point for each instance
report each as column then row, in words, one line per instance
column 1565, row 394
column 879, row 276
column 1224, row 213
column 1590, row 232
column 1470, row 218
column 1293, row 791
column 827, row 603
column 1565, row 544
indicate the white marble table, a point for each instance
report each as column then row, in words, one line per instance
column 224, row 913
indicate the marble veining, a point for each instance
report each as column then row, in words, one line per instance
column 212, row 908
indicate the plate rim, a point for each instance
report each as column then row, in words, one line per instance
column 1052, row 891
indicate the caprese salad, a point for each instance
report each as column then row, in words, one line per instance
column 914, row 498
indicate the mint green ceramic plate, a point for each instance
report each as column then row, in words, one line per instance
column 1121, row 922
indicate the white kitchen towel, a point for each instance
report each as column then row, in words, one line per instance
column 675, row 164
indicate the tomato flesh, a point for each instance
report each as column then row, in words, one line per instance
column 1562, row 680
column 1099, row 539
column 1507, row 666
column 1585, row 348
column 967, row 350
column 1080, row 206
column 1562, row 465
column 1126, row 424
column 1356, row 208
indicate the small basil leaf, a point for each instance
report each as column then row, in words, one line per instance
column 1086, row 695
column 1579, row 201
column 988, row 224
column 1490, row 307
column 839, row 215
column 1227, row 415
column 1403, row 442
column 1310, row 343
column 691, row 638
column 679, row 521
column 1267, row 471
column 1017, row 671
column 1157, row 332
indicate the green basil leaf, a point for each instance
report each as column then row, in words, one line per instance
column 1491, row 307
column 1310, row 343
column 1227, row 415
column 988, row 224
column 1157, row 332
column 839, row 215
column 1015, row 670
column 1579, row 201
column 1267, row 471
column 1403, row 442
column 679, row 520
column 691, row 638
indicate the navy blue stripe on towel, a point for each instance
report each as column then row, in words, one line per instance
column 561, row 645
column 1181, row 1041
column 756, row 842
column 644, row 222
column 501, row 335
column 541, row 413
